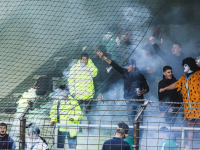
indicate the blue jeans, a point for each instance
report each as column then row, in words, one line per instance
column 133, row 108
column 170, row 117
column 72, row 142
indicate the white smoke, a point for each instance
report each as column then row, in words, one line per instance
column 137, row 15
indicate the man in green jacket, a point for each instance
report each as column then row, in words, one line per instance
column 128, row 138
column 166, row 143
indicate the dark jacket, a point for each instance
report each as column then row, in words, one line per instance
column 113, row 85
column 168, row 95
column 132, row 80
column 7, row 143
column 172, row 60
column 116, row 144
column 107, row 83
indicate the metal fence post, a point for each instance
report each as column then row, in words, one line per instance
column 22, row 133
column 182, row 138
column 136, row 126
column 136, row 135
column 56, row 137
column 23, row 125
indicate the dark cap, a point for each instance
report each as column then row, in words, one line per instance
column 32, row 127
column 124, row 126
column 130, row 62
column 164, row 129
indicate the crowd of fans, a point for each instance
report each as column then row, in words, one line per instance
column 180, row 83
column 138, row 80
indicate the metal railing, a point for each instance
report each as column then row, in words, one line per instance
column 151, row 123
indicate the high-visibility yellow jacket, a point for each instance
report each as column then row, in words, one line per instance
column 80, row 80
column 23, row 101
column 67, row 109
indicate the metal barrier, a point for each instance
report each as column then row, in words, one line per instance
column 105, row 122
column 181, row 129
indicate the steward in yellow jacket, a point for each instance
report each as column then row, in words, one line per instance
column 24, row 100
column 66, row 112
column 80, row 79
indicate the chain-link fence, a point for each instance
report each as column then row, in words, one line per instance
column 39, row 39
column 48, row 57
column 149, row 122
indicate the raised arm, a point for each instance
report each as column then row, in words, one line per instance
column 110, row 62
column 170, row 87
column 102, row 56
column 157, row 49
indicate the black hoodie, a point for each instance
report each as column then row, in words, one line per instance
column 168, row 95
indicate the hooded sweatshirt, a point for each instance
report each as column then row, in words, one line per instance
column 168, row 95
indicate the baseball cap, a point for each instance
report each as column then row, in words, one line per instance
column 130, row 62
column 32, row 127
column 163, row 129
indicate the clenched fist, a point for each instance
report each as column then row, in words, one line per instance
column 152, row 40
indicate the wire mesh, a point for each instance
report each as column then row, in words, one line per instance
column 39, row 40
column 102, row 120
column 41, row 44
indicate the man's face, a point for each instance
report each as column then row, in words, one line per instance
column 198, row 61
column 130, row 68
column 32, row 135
column 187, row 68
column 124, row 37
column 3, row 130
column 168, row 74
column 176, row 49
column 84, row 60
